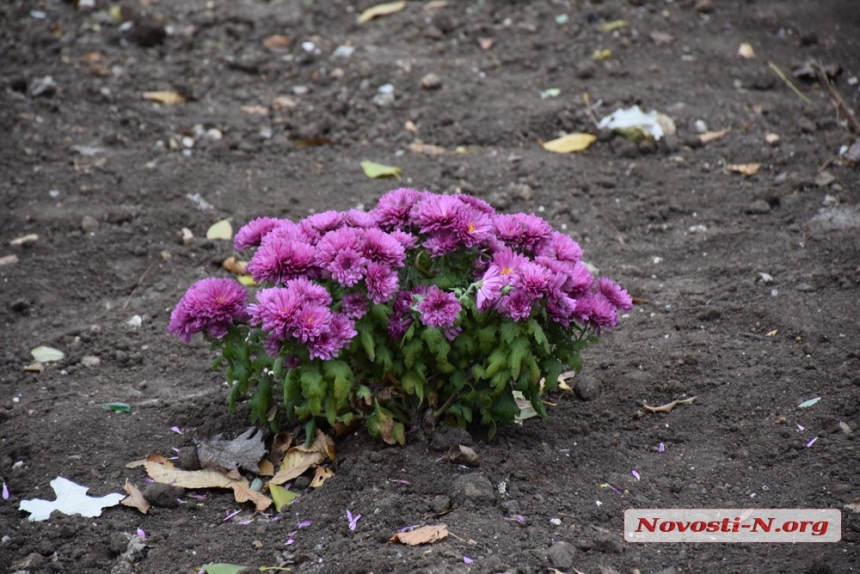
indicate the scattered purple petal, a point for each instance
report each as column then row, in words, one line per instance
column 149, row 480
column 635, row 474
column 5, row 492
column 141, row 533
column 812, row 442
column 244, row 522
column 275, row 519
column 305, row 523
column 180, row 501
column 467, row 560
column 293, row 533
column 197, row 496
column 231, row 515
column 609, row 486
column 661, row 447
column 289, row 541
column 400, row 481
column 177, row 430
column 408, row 528
column 521, row 518
column 173, row 458
column 353, row 520
column 801, row 428
column 174, row 449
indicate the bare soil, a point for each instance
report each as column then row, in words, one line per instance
column 749, row 284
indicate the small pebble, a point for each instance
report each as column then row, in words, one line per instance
column 431, row 82
column 89, row 224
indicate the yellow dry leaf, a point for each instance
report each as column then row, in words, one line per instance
column 235, row 265
column 320, row 476
column 748, row 169
column 771, row 333
column 295, row 464
column 29, row 238
column 276, row 41
column 207, row 478
column 611, row 26
column 135, row 498
column 322, row 444
column 418, row 147
column 569, row 143
column 257, row 544
column 243, row 494
column 381, row 10
column 708, row 137
column 164, row 97
column 45, row 354
column 266, row 468
column 246, row 280
column 601, row 55
column 220, row 230
column 667, row 408
column 35, row 367
column 423, row 535
column 374, row 170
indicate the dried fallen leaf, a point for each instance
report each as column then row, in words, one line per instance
column 257, row 544
column 295, row 464
column 164, row 97
column 374, row 170
column 71, row 499
column 709, row 137
column 667, row 408
column 34, row 367
column 320, row 476
column 432, row 150
column 460, row 454
column 613, row 25
column 410, row 127
column 234, row 265
column 423, row 535
column 527, row 410
column 746, row 51
column 569, row 143
column 243, row 493
column 256, row 110
column 276, row 41
column 283, row 103
column 220, row 230
column 8, row 259
column 221, row 568
column 30, row 238
column 748, row 169
column 45, row 354
column 135, row 498
column 244, row 451
column 854, row 506
column 207, row 478
column 266, row 468
column 600, row 55
column 381, row 10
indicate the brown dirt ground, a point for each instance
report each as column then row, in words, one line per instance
column 667, row 221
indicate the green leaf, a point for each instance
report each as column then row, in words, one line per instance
column 539, row 336
column 313, row 388
column 384, row 358
column 117, row 407
column 261, row 399
column 366, row 337
column 487, row 338
column 457, row 379
column 330, row 409
column 220, row 568
column 497, row 360
column 413, row 383
column 505, row 408
column 374, row 170
column 520, row 348
column 281, row 496
column 552, row 368
column 342, row 377
column 509, row 331
column 412, row 351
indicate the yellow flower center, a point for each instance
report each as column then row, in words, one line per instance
column 472, row 228
column 507, row 271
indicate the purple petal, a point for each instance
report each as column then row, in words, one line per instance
column 275, row 519
column 407, row 529
column 521, row 518
column 231, row 515
column 349, row 516
column 149, row 480
column 635, row 474
column 661, row 447
column 400, row 481
column 801, row 428
column 141, row 533
column 244, row 522
column 177, row 430
column 5, row 492
column 197, row 496
column 812, row 442
column 305, row 523
column 288, row 542
column 467, row 560
column 293, row 533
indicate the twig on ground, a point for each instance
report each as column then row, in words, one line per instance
column 838, row 102
column 139, row 281
column 788, row 83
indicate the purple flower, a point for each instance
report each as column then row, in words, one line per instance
column 616, row 295
column 285, row 230
column 473, row 227
column 352, row 519
column 439, row 309
column 476, row 203
column 401, row 319
column 407, row 240
column 272, row 345
column 452, row 332
column 348, row 267
column 210, row 306
column 253, row 232
column 330, row 341
column 534, row 279
column 310, row 291
column 280, row 259
column 315, row 226
column 393, row 208
column 276, row 310
column 508, row 262
column 517, row 305
column 436, row 212
column 521, row 231
column 597, row 310
column 383, row 248
column 311, row 321
column 441, row 244
column 490, row 288
column 333, row 242
column 355, row 305
column 382, row 282
column 359, row 218
column 580, row 280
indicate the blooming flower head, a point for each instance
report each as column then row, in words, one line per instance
column 383, row 248
column 490, row 288
column 439, row 308
column 279, row 259
column 476, row 203
column 564, row 248
column 382, row 282
column 309, row 291
column 253, row 232
column 516, row 305
column 317, row 225
column 597, row 311
column 355, row 305
column 521, row 231
column 285, row 230
column 360, row 218
column 508, row 262
column 276, row 310
column 436, row 212
column 348, row 267
column 580, row 279
column 473, row 227
column 616, row 295
column 334, row 242
column 392, row 210
column 311, row 321
column 534, row 279
column 407, row 240
column 209, row 306
column 440, row 244
column 330, row 341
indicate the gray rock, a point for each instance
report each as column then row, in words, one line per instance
column 608, row 544
column 46, row 87
column 758, row 206
column 474, row 487
column 587, row 387
column 90, row 361
column 560, row 555
column 511, row 507
column 431, row 82
column 301, row 483
column 440, row 504
column 163, row 495
column 805, row 288
column 89, row 224
column 585, row 70
column 188, row 458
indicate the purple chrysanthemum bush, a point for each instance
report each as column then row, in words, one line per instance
column 427, row 308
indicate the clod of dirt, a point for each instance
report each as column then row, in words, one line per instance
column 445, row 437
column 560, row 555
column 188, row 459
column 474, row 487
column 704, row 6
column 89, row 224
column 163, row 495
column 758, row 207
column 587, row 388
column 440, row 504
column 607, row 544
